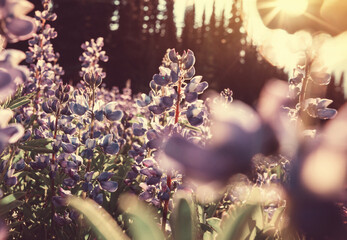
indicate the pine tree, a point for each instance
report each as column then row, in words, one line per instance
column 170, row 31
column 189, row 33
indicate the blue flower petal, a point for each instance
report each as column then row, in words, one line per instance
column 105, row 176
column 161, row 80
column 109, row 186
column 112, row 148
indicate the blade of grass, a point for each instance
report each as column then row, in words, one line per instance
column 104, row 226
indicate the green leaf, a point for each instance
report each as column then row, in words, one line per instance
column 10, row 202
column 258, row 217
column 237, row 226
column 211, row 210
column 15, row 103
column 36, row 149
column 104, row 226
column 19, row 103
column 215, row 224
column 143, row 227
column 208, row 236
column 276, row 218
column 38, row 142
column 183, row 224
column 10, row 198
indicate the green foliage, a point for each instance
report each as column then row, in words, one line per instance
column 19, row 101
column 10, row 202
column 37, row 146
column 104, row 226
column 142, row 226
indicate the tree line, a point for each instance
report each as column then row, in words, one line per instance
column 138, row 32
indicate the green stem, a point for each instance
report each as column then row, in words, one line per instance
column 91, row 125
column 52, row 163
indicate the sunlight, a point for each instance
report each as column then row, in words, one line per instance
column 292, row 7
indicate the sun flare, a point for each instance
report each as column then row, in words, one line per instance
column 292, row 7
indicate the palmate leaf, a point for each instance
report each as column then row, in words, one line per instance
column 103, row 225
column 36, row 149
column 37, row 145
column 237, row 226
column 20, row 101
column 38, row 142
column 143, row 227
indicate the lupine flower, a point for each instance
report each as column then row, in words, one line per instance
column 9, row 133
column 91, row 56
column 10, row 73
column 17, row 26
column 109, row 145
column 40, row 162
column 111, row 113
column 238, row 134
column 318, row 181
column 105, row 183
column 318, row 108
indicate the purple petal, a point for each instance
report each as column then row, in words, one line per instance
column 201, row 87
column 19, row 29
column 326, row 113
column 166, row 101
column 190, row 73
column 11, row 181
column 156, row 109
column 109, row 186
column 7, row 86
column 68, row 147
column 161, row 80
column 112, row 148
column 14, row 131
column 191, row 96
column 105, row 176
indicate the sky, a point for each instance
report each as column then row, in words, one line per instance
column 200, row 5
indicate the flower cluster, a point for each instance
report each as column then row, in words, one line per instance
column 302, row 78
column 91, row 56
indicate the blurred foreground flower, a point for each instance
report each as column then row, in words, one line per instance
column 9, row 133
column 16, row 26
column 318, row 183
column 10, row 73
column 238, row 134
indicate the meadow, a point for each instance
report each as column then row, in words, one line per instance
column 179, row 162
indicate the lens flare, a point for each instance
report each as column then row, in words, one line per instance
column 292, row 7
